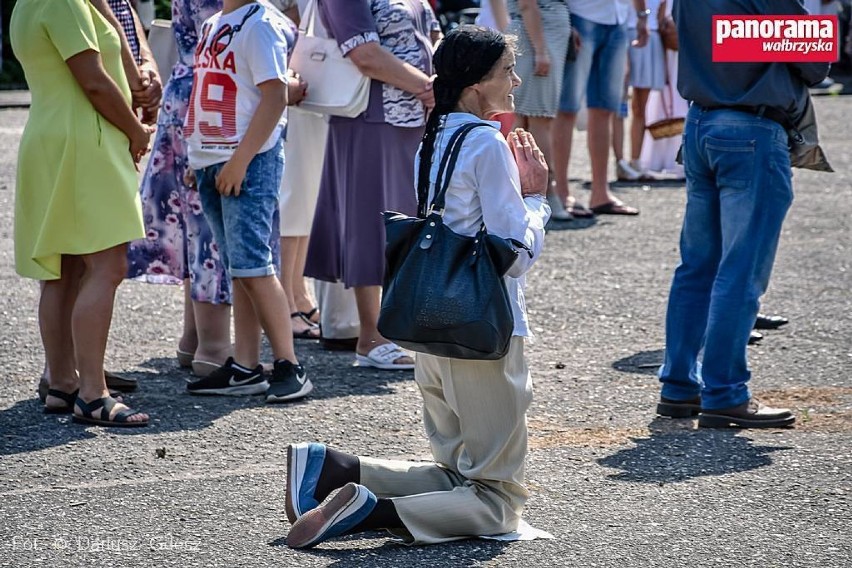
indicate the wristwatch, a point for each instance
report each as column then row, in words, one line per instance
column 642, row 14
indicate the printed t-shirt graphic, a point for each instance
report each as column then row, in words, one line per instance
column 236, row 52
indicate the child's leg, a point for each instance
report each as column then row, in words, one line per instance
column 272, row 310
column 251, row 227
column 246, row 328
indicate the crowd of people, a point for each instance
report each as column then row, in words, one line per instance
column 220, row 211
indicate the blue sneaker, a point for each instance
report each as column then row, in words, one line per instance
column 343, row 512
column 304, row 465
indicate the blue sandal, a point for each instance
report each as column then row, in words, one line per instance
column 103, row 407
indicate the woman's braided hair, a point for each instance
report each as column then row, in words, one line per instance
column 465, row 57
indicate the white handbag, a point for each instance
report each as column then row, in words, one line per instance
column 335, row 85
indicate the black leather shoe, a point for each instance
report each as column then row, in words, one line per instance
column 755, row 337
column 679, row 408
column 764, row 321
column 750, row 414
column 123, row 383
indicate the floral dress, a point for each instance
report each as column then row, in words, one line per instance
column 178, row 243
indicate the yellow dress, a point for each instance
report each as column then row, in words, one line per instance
column 77, row 191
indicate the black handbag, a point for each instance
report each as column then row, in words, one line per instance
column 444, row 293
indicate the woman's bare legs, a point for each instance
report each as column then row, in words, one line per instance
column 304, row 302
column 91, row 317
column 637, row 125
column 368, row 299
column 188, row 342
column 206, row 329
column 54, row 316
column 562, row 136
column 213, row 322
column 540, row 127
column 293, row 254
column 618, row 137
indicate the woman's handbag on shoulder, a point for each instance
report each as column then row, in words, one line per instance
column 443, row 292
column 335, row 85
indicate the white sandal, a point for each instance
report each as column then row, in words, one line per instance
column 384, row 357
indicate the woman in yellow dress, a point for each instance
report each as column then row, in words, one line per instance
column 76, row 204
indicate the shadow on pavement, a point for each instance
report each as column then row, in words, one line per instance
column 674, row 451
column 470, row 552
column 162, row 394
column 643, row 362
column 575, row 224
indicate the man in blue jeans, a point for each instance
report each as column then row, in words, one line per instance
column 596, row 75
column 738, row 185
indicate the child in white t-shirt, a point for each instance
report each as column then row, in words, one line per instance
column 233, row 130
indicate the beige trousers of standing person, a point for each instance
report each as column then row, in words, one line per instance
column 338, row 310
column 475, row 417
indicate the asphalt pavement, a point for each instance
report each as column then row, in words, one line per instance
column 618, row 487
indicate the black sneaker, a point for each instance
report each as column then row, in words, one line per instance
column 230, row 380
column 288, row 382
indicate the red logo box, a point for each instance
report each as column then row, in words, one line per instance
column 770, row 39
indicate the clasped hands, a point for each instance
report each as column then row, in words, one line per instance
column 532, row 167
column 146, row 95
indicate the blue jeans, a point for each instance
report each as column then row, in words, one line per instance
column 245, row 227
column 738, row 190
column 598, row 72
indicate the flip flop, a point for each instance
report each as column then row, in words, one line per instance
column 579, row 211
column 384, row 357
column 614, row 208
column 103, row 407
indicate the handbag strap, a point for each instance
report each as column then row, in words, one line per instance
column 309, row 19
column 448, row 165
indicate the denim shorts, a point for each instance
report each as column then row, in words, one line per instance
column 245, row 227
column 598, row 72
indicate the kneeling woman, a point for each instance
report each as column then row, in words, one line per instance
column 474, row 411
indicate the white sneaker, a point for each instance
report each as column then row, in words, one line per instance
column 626, row 171
column 557, row 210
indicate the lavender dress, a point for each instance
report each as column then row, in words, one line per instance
column 369, row 160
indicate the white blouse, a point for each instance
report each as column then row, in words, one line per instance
column 485, row 187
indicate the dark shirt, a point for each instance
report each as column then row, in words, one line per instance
column 783, row 86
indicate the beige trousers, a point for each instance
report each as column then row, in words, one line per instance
column 338, row 310
column 475, row 418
